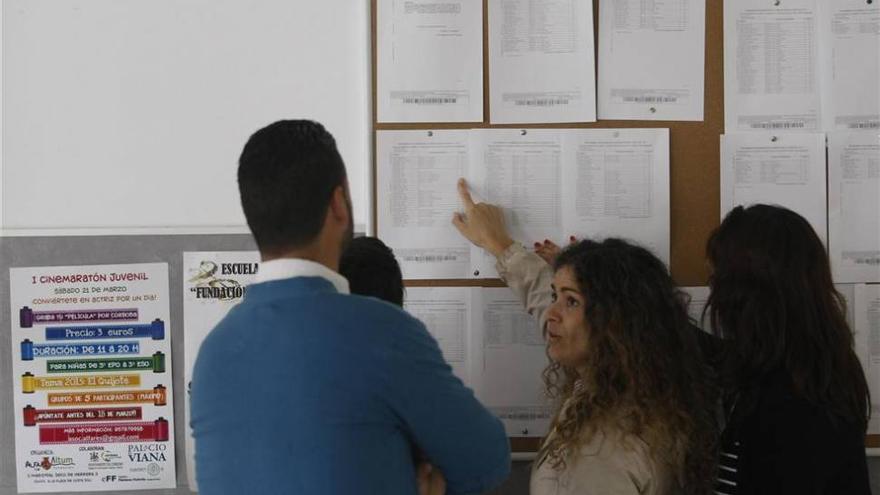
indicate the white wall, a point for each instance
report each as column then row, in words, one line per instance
column 131, row 114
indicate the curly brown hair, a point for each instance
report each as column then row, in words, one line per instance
column 645, row 374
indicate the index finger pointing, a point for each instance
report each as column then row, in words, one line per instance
column 465, row 194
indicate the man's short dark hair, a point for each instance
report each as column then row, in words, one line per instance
column 286, row 176
column 371, row 270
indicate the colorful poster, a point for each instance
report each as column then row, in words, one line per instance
column 213, row 282
column 91, row 357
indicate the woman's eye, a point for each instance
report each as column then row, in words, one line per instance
column 572, row 302
column 552, row 297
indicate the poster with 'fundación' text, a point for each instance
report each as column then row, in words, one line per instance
column 91, row 362
column 213, row 283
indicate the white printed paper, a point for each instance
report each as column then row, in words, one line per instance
column 520, row 171
column 866, row 310
column 782, row 169
column 446, row 312
column 509, row 357
column 699, row 296
column 417, row 173
column 541, row 61
column 771, row 65
column 850, row 50
column 430, row 61
column 651, row 59
column 854, row 206
column 615, row 183
column 92, row 383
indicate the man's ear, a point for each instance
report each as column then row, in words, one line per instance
column 338, row 210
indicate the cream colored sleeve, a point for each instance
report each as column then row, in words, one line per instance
column 529, row 277
column 608, row 476
column 612, row 468
column 603, row 468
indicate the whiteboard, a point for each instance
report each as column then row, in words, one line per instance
column 132, row 113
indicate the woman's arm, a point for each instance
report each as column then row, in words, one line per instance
column 525, row 272
column 529, row 277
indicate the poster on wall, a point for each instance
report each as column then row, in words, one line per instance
column 91, row 361
column 213, row 283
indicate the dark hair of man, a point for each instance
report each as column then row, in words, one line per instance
column 646, row 376
column 371, row 270
column 774, row 303
column 286, row 177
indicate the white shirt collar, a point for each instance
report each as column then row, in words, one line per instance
column 283, row 268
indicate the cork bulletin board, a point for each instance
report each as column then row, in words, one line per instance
column 694, row 164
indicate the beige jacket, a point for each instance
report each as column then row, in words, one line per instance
column 529, row 277
column 611, row 463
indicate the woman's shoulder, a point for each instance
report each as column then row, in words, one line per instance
column 782, row 417
column 613, row 443
column 779, row 401
column 621, row 461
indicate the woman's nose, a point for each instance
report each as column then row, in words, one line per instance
column 553, row 312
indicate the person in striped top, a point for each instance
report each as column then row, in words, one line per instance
column 797, row 400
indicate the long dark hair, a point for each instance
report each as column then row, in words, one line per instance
column 774, row 303
column 645, row 375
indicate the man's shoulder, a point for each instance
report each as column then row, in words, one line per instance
column 369, row 310
column 385, row 325
column 333, row 309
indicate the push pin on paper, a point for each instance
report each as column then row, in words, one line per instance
column 525, row 431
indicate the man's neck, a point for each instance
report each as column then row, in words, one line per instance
column 326, row 257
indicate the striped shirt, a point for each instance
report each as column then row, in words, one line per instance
column 728, row 466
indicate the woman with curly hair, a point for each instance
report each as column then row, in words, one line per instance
column 636, row 405
column 797, row 400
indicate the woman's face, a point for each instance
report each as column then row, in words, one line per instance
column 566, row 321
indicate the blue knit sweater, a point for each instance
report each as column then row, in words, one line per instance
column 301, row 389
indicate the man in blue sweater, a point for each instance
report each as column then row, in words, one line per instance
column 305, row 389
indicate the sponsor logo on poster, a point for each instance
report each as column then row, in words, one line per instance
column 47, row 463
column 149, row 452
column 104, row 459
